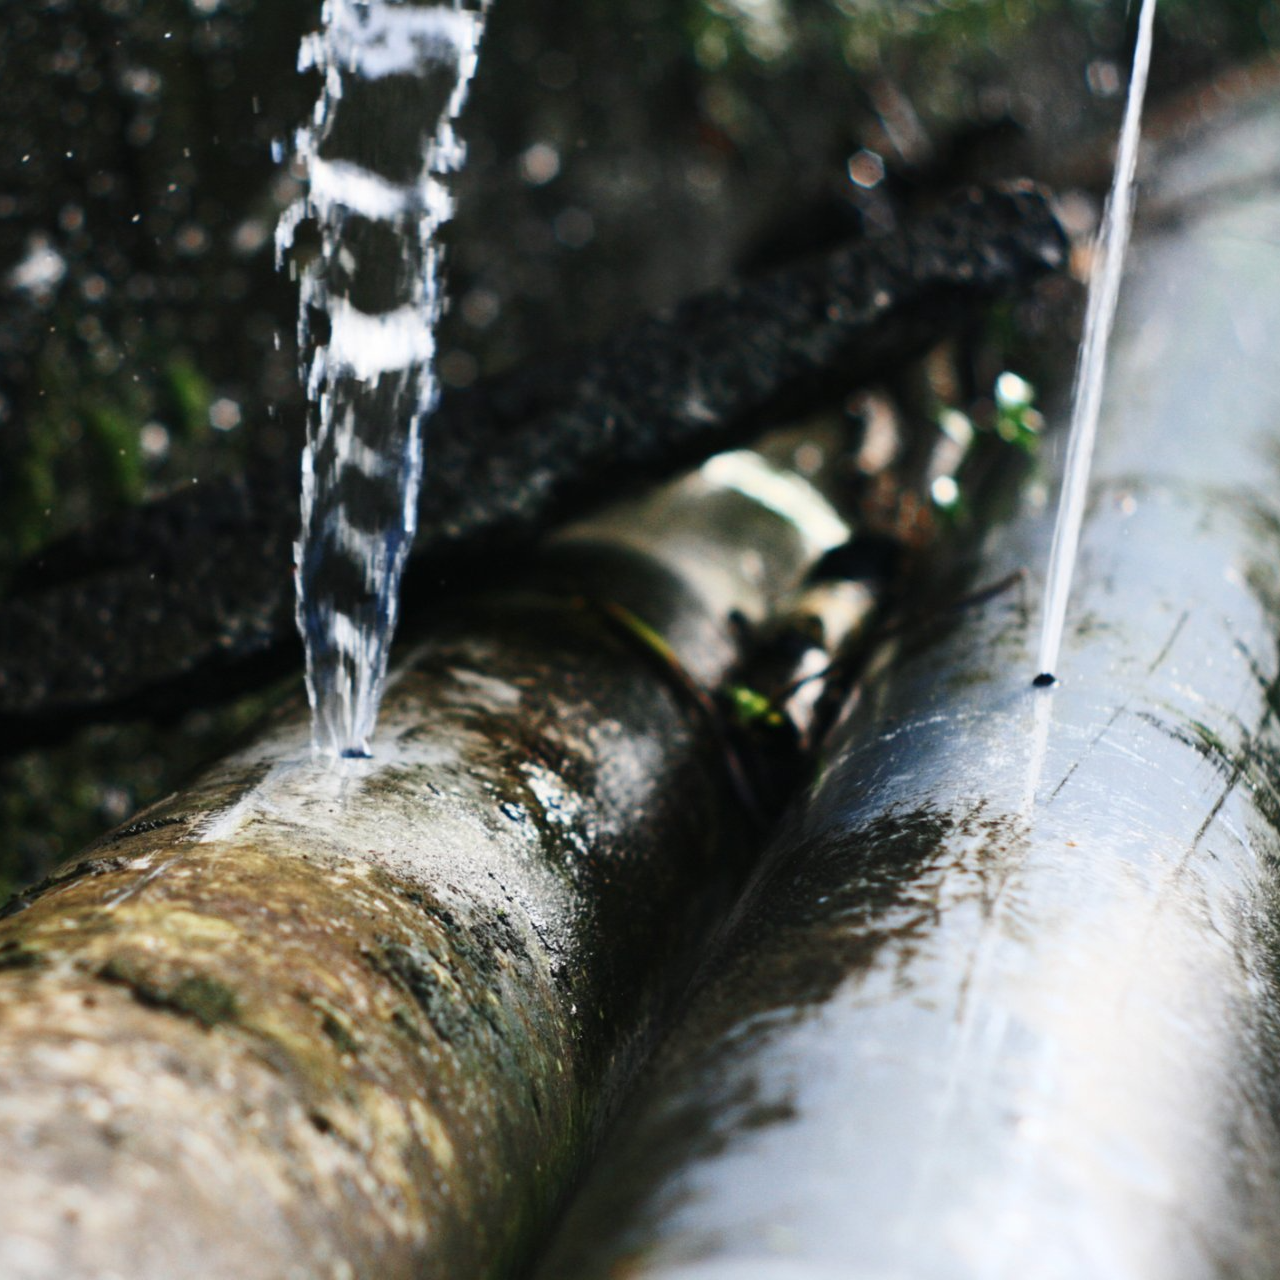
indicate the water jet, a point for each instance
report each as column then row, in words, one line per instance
column 378, row 202
column 1091, row 367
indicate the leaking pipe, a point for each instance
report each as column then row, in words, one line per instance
column 311, row 1021
column 1004, row 1002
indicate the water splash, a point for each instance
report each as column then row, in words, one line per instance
column 1104, row 293
column 381, row 140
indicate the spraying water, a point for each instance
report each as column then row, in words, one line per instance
column 395, row 77
column 1104, row 293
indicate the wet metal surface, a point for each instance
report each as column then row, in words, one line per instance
column 1005, row 1000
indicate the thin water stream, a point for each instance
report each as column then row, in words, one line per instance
column 381, row 139
column 1091, row 368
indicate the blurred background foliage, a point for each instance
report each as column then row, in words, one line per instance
column 623, row 153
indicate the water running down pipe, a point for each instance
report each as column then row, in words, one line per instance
column 1005, row 1000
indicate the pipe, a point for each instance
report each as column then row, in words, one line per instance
column 305, row 1021
column 1004, row 1001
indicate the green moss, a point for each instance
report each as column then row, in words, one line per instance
column 198, row 996
column 117, row 434
column 192, row 397
column 336, row 1026
column 17, row 955
column 749, row 707
column 416, row 971
column 205, row 999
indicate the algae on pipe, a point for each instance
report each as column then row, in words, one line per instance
column 360, row 1019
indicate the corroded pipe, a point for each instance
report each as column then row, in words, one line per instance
column 1005, row 1001
column 307, row 1021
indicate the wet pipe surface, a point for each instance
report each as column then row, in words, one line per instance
column 1005, row 996
column 1005, row 999
column 293, row 1022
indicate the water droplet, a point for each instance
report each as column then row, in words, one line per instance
column 154, row 441
column 866, row 169
column 540, row 164
column 224, row 415
column 945, row 492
